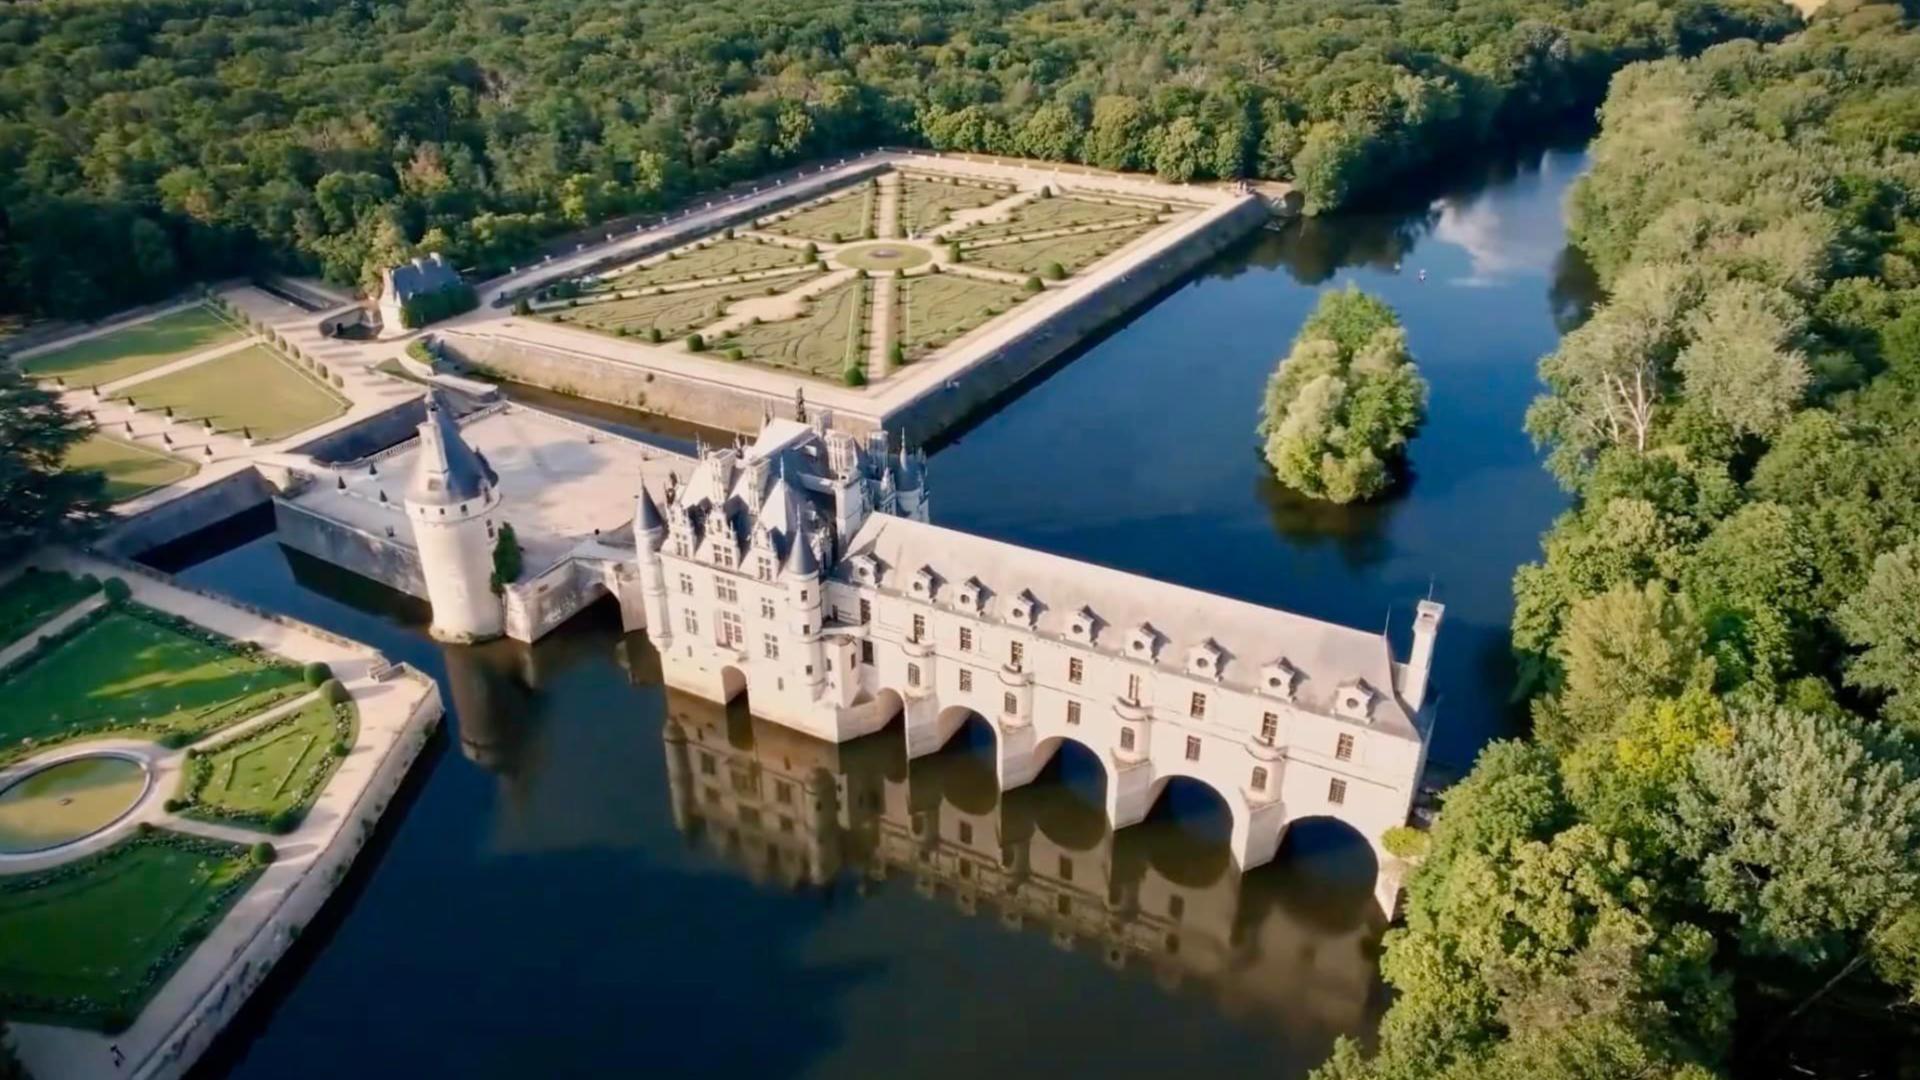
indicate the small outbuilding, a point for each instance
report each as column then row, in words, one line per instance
column 422, row 290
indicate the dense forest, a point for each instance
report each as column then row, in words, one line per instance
column 1709, row 851
column 143, row 141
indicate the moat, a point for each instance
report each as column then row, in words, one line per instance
column 544, row 905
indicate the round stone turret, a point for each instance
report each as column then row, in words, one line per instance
column 452, row 503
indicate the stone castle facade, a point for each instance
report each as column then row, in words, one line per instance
column 802, row 570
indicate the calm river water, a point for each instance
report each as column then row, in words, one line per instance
column 594, row 876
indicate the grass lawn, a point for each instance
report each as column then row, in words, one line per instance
column 674, row 314
column 847, row 218
column 816, row 343
column 136, row 671
column 131, row 470
column 938, row 308
column 718, row 259
column 86, row 944
column 1074, row 253
column 135, row 349
column 253, row 388
column 1060, row 212
column 271, row 776
column 928, row 204
column 35, row 596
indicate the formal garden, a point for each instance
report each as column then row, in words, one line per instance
column 254, row 390
column 937, row 308
column 1056, row 256
column 33, row 596
column 89, row 942
column 1058, row 212
column 269, row 777
column 125, row 669
column 724, row 257
column 136, row 349
column 839, row 219
column 928, row 202
column 666, row 316
column 820, row 342
column 131, row 470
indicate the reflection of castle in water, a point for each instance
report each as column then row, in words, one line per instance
column 794, row 811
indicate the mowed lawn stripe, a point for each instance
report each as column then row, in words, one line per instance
column 88, row 943
column 130, row 470
column 253, row 388
column 135, row 349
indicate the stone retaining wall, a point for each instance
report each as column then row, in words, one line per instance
column 387, row 561
column 190, row 511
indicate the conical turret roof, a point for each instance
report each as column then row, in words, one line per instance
column 449, row 470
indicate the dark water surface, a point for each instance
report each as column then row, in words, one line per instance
column 594, row 876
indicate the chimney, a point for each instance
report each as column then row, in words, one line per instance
column 1419, row 666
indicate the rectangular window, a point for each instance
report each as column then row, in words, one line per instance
column 1193, row 748
column 913, row 674
column 1259, row 778
column 966, row 832
column 966, row 679
column 1336, row 791
column 1269, row 727
column 1011, row 702
column 1073, row 712
column 723, row 589
column 1126, row 738
column 692, row 622
column 866, row 652
column 1176, row 906
column 770, row 645
column 707, row 766
column 766, row 608
column 686, row 584
column 1063, row 904
column 1133, row 689
column 783, row 792
column 1197, row 707
column 919, row 628
column 966, row 639
column 1343, row 748
column 1016, row 655
column 680, row 548
column 766, row 568
column 731, row 635
column 866, row 612
column 1076, row 669
column 1066, row 868
column 723, row 556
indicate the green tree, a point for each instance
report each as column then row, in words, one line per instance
column 1883, row 621
column 506, row 558
column 40, row 500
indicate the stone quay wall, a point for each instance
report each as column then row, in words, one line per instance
column 383, row 559
column 1057, row 332
column 189, row 512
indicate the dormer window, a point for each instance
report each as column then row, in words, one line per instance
column 972, row 594
column 1144, row 642
column 1205, row 659
column 866, row 569
column 1280, row 678
column 1025, row 609
column 1083, row 626
column 923, row 581
column 1354, row 700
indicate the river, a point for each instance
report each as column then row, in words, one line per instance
column 591, row 875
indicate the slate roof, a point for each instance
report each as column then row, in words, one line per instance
column 422, row 275
column 449, row 471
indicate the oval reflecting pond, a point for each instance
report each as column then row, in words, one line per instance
column 67, row 801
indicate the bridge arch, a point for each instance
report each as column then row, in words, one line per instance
column 733, row 682
column 1326, row 870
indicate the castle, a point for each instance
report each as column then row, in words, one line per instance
column 802, row 570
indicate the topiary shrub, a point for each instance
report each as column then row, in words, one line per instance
column 896, row 353
column 174, row 740
column 262, row 853
column 506, row 557
column 1033, row 284
column 521, row 307
column 145, row 828
column 953, row 251
column 172, row 806
column 116, row 590
column 855, row 375
column 1054, row 272
column 334, row 692
column 696, row 343
column 315, row 673
column 283, row 821
column 340, row 748
column 653, row 334
column 735, row 353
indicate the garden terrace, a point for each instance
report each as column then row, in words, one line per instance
column 840, row 218
column 253, row 389
column 717, row 258
column 135, row 349
column 87, row 943
column 937, row 308
column 130, row 470
column 1059, row 212
column 1072, row 252
column 34, row 596
column 269, row 777
column 673, row 314
column 929, row 202
column 127, row 669
column 820, row 342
